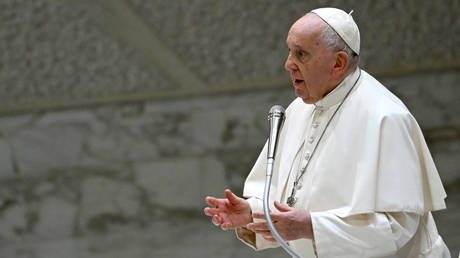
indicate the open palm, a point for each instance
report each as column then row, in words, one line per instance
column 230, row 212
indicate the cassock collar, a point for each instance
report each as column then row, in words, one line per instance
column 339, row 93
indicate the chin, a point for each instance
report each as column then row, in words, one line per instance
column 308, row 101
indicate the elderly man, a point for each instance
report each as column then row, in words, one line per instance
column 353, row 176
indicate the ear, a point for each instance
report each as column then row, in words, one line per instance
column 341, row 63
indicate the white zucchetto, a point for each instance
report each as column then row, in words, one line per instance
column 342, row 23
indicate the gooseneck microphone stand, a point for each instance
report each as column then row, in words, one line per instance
column 275, row 119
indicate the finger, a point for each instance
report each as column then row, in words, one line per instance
column 226, row 226
column 258, row 229
column 212, row 201
column 216, row 220
column 282, row 207
column 225, row 221
column 274, row 216
column 260, row 215
column 210, row 211
column 234, row 200
column 262, row 232
column 258, row 226
column 270, row 238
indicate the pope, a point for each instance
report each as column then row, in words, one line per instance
column 353, row 176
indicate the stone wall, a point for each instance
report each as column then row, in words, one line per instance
column 119, row 117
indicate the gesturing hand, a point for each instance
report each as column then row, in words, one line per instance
column 290, row 223
column 230, row 213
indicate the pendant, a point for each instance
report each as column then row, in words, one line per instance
column 291, row 201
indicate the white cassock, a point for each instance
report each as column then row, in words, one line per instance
column 370, row 184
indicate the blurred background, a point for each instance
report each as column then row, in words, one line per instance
column 117, row 117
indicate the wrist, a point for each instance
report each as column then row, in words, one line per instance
column 308, row 226
column 249, row 218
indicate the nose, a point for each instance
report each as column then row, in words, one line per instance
column 290, row 64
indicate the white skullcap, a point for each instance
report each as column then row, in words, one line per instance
column 343, row 24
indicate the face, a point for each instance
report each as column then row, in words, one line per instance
column 310, row 62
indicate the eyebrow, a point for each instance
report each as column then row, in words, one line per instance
column 298, row 47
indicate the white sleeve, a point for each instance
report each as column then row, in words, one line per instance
column 362, row 235
column 256, row 241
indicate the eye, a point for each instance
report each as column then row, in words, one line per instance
column 302, row 55
column 298, row 54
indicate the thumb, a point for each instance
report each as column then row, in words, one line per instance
column 234, row 200
column 282, row 207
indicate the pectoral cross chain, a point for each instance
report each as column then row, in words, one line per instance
column 292, row 199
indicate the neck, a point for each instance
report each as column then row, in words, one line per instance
column 336, row 82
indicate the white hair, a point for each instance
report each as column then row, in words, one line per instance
column 333, row 41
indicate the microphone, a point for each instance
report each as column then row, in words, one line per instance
column 275, row 119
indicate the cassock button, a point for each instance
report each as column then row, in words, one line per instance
column 311, row 139
column 307, row 156
column 315, row 125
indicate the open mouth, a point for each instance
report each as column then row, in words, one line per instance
column 298, row 81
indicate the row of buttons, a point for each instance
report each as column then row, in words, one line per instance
column 311, row 140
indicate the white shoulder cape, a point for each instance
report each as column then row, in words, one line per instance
column 372, row 158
